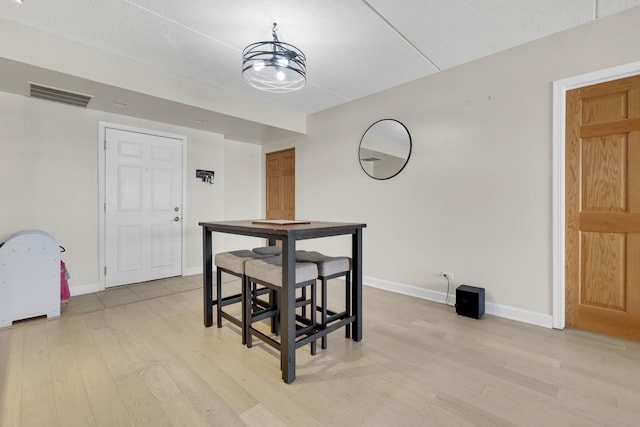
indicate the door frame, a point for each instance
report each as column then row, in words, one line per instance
column 102, row 196
column 560, row 88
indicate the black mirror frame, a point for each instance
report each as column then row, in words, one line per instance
column 408, row 155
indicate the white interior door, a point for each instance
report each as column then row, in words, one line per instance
column 143, row 209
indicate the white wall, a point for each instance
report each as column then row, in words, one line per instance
column 49, row 179
column 476, row 197
column 243, row 198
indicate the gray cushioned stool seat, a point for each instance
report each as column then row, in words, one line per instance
column 234, row 260
column 268, row 250
column 268, row 272
column 327, row 265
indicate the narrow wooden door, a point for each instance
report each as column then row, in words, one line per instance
column 602, row 253
column 281, row 184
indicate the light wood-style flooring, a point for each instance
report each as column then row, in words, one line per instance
column 140, row 356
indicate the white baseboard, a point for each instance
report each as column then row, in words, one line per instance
column 84, row 289
column 193, row 271
column 525, row 316
column 413, row 291
column 512, row 313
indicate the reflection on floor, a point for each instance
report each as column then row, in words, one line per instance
column 130, row 293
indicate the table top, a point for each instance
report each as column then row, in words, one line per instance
column 308, row 229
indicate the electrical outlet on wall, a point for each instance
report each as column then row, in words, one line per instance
column 447, row 275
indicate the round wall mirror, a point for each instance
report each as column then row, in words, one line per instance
column 385, row 149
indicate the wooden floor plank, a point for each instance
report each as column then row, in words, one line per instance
column 72, row 402
column 142, row 405
column 140, row 356
column 106, row 402
column 38, row 399
column 11, row 370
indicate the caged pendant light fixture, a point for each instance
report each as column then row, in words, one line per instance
column 274, row 66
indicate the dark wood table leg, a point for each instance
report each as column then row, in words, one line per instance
column 288, row 311
column 356, row 284
column 207, row 277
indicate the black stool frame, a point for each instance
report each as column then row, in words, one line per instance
column 308, row 327
column 233, row 299
column 329, row 316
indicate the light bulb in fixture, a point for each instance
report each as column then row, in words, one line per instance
column 274, row 66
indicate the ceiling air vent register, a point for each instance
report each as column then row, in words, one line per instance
column 58, row 95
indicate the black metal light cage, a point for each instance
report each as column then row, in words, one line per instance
column 274, row 66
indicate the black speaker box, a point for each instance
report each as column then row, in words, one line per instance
column 470, row 301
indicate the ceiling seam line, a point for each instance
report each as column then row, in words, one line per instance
column 339, row 95
column 186, row 27
column 406, row 40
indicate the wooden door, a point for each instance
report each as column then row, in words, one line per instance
column 143, row 207
column 281, row 184
column 602, row 252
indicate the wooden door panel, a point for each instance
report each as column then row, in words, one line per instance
column 280, row 181
column 288, row 163
column 288, row 195
column 602, row 253
column 605, row 108
column 604, row 174
column 621, row 322
column 604, row 261
column 634, row 173
column 274, row 196
column 274, row 165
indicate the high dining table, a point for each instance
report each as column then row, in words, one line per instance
column 288, row 232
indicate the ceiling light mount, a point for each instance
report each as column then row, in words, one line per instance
column 274, row 66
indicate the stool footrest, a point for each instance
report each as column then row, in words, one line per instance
column 231, row 299
column 231, row 319
column 263, row 337
column 264, row 314
column 336, row 316
column 320, row 331
column 330, row 312
column 302, row 302
column 257, row 302
column 307, row 331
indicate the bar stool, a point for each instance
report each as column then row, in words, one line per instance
column 233, row 263
column 268, row 272
column 268, row 250
column 330, row 268
column 272, row 250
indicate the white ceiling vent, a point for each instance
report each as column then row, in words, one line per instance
column 58, row 95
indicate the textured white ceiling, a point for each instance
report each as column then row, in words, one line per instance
column 354, row 47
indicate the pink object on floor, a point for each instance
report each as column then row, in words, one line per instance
column 65, row 294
